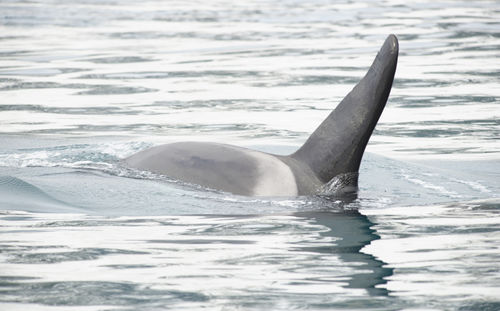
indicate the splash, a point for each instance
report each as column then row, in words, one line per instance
column 341, row 185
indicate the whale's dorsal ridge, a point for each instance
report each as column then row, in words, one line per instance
column 337, row 145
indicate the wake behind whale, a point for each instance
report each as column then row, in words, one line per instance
column 333, row 151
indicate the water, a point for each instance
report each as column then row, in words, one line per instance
column 83, row 85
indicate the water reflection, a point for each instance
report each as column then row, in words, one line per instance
column 351, row 231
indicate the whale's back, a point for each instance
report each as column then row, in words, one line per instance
column 218, row 166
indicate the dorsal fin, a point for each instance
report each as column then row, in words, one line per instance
column 338, row 144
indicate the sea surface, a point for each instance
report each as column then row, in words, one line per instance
column 84, row 84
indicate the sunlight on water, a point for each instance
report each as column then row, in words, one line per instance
column 85, row 84
column 452, row 246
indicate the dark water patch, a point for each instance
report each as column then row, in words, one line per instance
column 487, row 122
column 479, row 229
column 156, row 35
column 443, row 128
column 227, row 104
column 125, row 267
column 411, row 83
column 244, row 228
column 265, row 132
column 40, row 85
column 115, row 90
column 138, row 35
column 407, row 37
column 480, row 306
column 476, row 48
column 248, row 36
column 207, row 128
column 95, row 293
column 405, row 131
column 57, row 147
column 14, row 53
column 16, row 231
column 440, row 101
column 279, row 52
column 201, row 241
column 177, row 74
column 464, row 34
column 17, row 249
column 39, row 72
column 8, row 278
column 128, row 75
column 16, row 218
column 5, row 38
column 107, row 110
column 119, row 60
column 458, row 150
column 75, row 224
column 493, row 205
column 332, row 68
column 220, row 103
column 18, row 85
column 239, row 36
column 90, row 128
column 141, row 221
column 314, row 80
column 221, row 14
column 359, row 304
column 74, row 16
column 113, row 128
column 58, row 257
column 8, row 80
column 481, row 73
column 196, row 61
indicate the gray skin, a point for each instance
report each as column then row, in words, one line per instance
column 336, row 147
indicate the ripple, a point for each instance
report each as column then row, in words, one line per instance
column 119, row 60
column 63, row 256
column 115, row 90
column 39, row 72
column 96, row 293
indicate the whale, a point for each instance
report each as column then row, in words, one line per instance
column 332, row 154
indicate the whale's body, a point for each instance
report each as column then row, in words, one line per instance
column 335, row 148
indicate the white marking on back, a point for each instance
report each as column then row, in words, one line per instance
column 275, row 177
